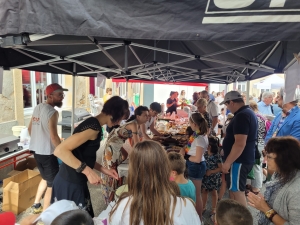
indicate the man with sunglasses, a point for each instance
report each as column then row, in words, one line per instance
column 155, row 109
column 239, row 145
column 44, row 139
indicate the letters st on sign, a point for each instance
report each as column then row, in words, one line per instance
column 251, row 11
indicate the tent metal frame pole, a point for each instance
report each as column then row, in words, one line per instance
column 138, row 59
column 40, row 52
column 73, row 97
column 106, row 53
column 236, row 64
column 92, row 71
column 93, row 65
column 126, row 69
column 248, row 91
column 39, row 60
column 92, row 51
column 290, row 63
column 163, row 50
column 167, row 64
column 232, row 49
column 36, row 63
column 70, row 42
column 268, row 56
column 216, row 68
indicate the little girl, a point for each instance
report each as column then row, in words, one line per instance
column 194, row 150
column 212, row 179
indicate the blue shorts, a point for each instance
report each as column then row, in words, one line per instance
column 196, row 171
column 237, row 177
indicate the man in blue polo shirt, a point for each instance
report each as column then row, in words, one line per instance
column 239, row 145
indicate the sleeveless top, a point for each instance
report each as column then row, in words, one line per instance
column 40, row 133
column 85, row 152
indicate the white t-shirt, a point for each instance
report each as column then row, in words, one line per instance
column 184, row 213
column 200, row 141
column 218, row 100
column 148, row 123
column 222, row 119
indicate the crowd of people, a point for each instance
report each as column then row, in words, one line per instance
column 229, row 143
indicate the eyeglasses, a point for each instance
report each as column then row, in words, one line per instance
column 227, row 103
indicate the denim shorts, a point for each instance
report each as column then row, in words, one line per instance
column 196, row 171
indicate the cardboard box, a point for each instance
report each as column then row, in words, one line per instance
column 19, row 191
column 29, row 163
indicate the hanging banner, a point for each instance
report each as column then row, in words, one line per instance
column 101, row 80
column 292, row 83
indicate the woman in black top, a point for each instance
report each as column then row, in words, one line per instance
column 78, row 154
column 172, row 103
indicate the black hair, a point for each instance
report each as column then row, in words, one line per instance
column 155, row 106
column 74, row 217
column 116, row 107
column 171, row 93
column 137, row 112
column 214, row 144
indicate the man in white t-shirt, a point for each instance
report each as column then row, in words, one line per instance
column 218, row 100
column 155, row 109
column 212, row 110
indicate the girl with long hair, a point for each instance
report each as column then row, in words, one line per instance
column 194, row 155
column 151, row 198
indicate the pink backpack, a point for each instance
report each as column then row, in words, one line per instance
column 267, row 122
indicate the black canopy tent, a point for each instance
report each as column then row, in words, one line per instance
column 177, row 41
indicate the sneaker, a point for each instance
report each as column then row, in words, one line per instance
column 37, row 208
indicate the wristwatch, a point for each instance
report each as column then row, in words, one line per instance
column 81, row 167
column 270, row 214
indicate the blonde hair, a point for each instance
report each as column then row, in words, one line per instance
column 152, row 195
column 201, row 102
column 253, row 106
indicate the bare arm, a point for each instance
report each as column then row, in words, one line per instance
column 197, row 158
column 30, row 126
column 53, row 129
column 169, row 105
column 143, row 130
column 214, row 122
column 217, row 170
column 153, row 130
column 64, row 152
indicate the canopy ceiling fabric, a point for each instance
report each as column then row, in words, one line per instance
column 213, row 20
column 166, row 41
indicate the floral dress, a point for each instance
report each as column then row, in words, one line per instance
column 112, row 158
column 213, row 181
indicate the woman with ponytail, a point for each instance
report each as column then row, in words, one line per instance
column 114, row 153
column 194, row 155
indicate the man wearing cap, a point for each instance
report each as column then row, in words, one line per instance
column 239, row 145
column 44, row 139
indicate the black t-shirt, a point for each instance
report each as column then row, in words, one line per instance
column 173, row 107
column 85, row 152
column 243, row 122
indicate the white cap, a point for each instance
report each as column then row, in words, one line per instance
column 55, row 210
